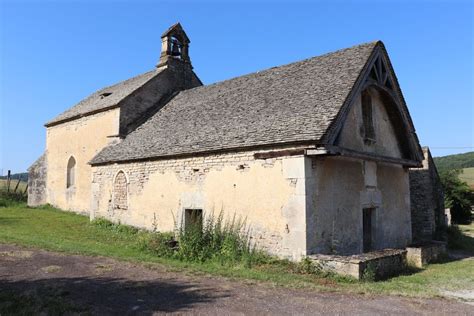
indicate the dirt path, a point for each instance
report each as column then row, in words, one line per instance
column 105, row 286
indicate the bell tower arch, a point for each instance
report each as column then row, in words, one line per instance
column 174, row 46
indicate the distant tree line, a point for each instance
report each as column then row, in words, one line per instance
column 458, row 161
column 16, row 176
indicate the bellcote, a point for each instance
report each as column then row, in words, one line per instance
column 174, row 46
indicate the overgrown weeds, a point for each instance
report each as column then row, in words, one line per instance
column 306, row 266
column 224, row 242
column 159, row 244
column 370, row 272
column 216, row 241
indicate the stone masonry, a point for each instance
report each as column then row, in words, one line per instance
column 427, row 200
column 191, row 173
column 37, row 182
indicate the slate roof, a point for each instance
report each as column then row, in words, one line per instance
column 291, row 103
column 98, row 101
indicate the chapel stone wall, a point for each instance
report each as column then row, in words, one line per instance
column 268, row 194
column 81, row 139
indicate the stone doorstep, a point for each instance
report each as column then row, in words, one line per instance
column 422, row 254
column 387, row 262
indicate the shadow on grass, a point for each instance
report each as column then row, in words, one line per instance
column 460, row 246
column 460, row 241
column 56, row 296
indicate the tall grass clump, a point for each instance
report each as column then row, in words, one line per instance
column 213, row 239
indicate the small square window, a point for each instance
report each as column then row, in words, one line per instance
column 193, row 218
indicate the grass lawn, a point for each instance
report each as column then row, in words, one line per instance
column 467, row 229
column 51, row 229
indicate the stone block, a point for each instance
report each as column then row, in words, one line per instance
column 383, row 263
column 421, row 255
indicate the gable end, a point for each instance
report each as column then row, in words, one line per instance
column 378, row 74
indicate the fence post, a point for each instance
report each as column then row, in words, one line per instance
column 8, row 181
column 18, row 183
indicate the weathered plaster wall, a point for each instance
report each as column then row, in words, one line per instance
column 333, row 224
column 37, row 182
column 427, row 200
column 394, row 216
column 341, row 189
column 270, row 194
column 81, row 138
column 352, row 134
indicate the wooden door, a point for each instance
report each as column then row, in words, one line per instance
column 367, row 228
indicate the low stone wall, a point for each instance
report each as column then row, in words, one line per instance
column 420, row 255
column 383, row 264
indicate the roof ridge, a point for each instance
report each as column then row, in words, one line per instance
column 124, row 81
column 263, row 71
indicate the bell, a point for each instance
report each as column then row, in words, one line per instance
column 175, row 51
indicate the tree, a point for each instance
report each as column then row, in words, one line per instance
column 457, row 196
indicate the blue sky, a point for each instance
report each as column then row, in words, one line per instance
column 54, row 53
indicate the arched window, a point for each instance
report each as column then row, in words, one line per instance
column 71, row 172
column 120, row 191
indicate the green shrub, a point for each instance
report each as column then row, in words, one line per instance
column 306, row 266
column 160, row 244
column 458, row 196
column 370, row 272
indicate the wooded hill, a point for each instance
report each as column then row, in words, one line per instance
column 458, row 161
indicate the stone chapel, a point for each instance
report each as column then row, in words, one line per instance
column 315, row 155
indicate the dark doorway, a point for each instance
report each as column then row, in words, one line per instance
column 193, row 218
column 367, row 218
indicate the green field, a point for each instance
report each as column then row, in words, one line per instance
column 13, row 183
column 55, row 230
column 467, row 175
